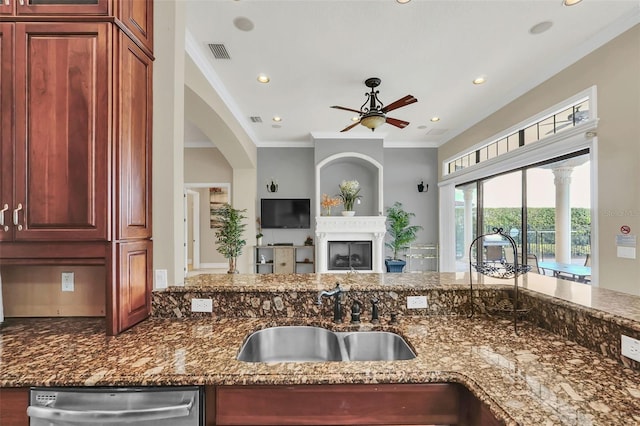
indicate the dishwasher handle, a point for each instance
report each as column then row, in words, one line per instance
column 115, row 416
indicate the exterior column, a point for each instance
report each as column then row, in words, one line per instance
column 562, row 181
column 468, row 221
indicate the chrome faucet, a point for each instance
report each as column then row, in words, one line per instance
column 337, row 307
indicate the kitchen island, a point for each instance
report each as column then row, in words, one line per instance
column 535, row 377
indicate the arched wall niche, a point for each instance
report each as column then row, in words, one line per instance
column 331, row 171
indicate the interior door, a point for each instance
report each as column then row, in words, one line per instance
column 62, row 76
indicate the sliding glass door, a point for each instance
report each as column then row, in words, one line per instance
column 544, row 207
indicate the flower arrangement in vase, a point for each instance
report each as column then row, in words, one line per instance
column 328, row 202
column 349, row 194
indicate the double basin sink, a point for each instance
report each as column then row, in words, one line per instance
column 316, row 344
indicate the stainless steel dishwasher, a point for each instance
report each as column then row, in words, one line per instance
column 140, row 406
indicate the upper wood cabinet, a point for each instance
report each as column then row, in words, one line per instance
column 134, row 141
column 137, row 18
column 6, row 130
column 62, row 126
column 134, row 16
column 56, row 7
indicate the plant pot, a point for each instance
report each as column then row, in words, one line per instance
column 348, row 213
column 394, row 265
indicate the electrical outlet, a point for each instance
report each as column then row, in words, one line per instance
column 161, row 278
column 68, row 281
column 630, row 347
column 201, row 305
column 416, row 302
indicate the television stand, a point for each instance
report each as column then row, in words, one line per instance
column 285, row 259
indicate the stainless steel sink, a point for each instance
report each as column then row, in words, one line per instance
column 376, row 346
column 316, row 344
column 291, row 344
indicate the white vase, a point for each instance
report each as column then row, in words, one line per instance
column 348, row 213
column 259, row 241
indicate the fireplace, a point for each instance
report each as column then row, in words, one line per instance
column 349, row 255
column 343, row 243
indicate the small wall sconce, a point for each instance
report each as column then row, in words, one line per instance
column 272, row 186
column 422, row 187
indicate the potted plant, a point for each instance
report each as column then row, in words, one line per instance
column 349, row 194
column 229, row 234
column 401, row 234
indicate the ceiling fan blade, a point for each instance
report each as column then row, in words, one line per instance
column 407, row 100
column 350, row 126
column 347, row 109
column 398, row 123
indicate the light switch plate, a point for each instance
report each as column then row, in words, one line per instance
column 416, row 302
column 201, row 305
column 630, row 347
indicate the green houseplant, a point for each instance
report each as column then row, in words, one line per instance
column 401, row 234
column 229, row 234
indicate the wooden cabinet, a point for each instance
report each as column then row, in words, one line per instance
column 385, row 404
column 55, row 7
column 13, row 406
column 6, row 129
column 285, row 259
column 75, row 147
column 60, row 149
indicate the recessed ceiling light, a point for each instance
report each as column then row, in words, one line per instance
column 277, row 119
column 570, row 2
column 540, row 27
column 403, row 1
column 355, row 118
column 263, row 78
column 243, row 24
column 479, row 80
column 434, row 119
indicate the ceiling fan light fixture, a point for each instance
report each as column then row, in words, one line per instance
column 373, row 120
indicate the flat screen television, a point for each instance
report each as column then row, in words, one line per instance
column 290, row 213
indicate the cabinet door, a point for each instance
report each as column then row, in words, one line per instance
column 6, row 7
column 13, row 406
column 6, row 130
column 137, row 17
column 283, row 260
column 62, row 7
column 129, row 295
column 134, row 141
column 62, row 78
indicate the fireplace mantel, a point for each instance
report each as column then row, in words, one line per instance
column 355, row 228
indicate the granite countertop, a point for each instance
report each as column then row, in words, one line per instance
column 532, row 378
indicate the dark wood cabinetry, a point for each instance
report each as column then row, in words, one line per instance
column 385, row 404
column 75, row 147
column 13, row 406
column 55, row 7
column 61, row 132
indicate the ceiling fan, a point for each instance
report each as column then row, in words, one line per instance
column 375, row 114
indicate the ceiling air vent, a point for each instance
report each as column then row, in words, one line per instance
column 255, row 119
column 219, row 51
